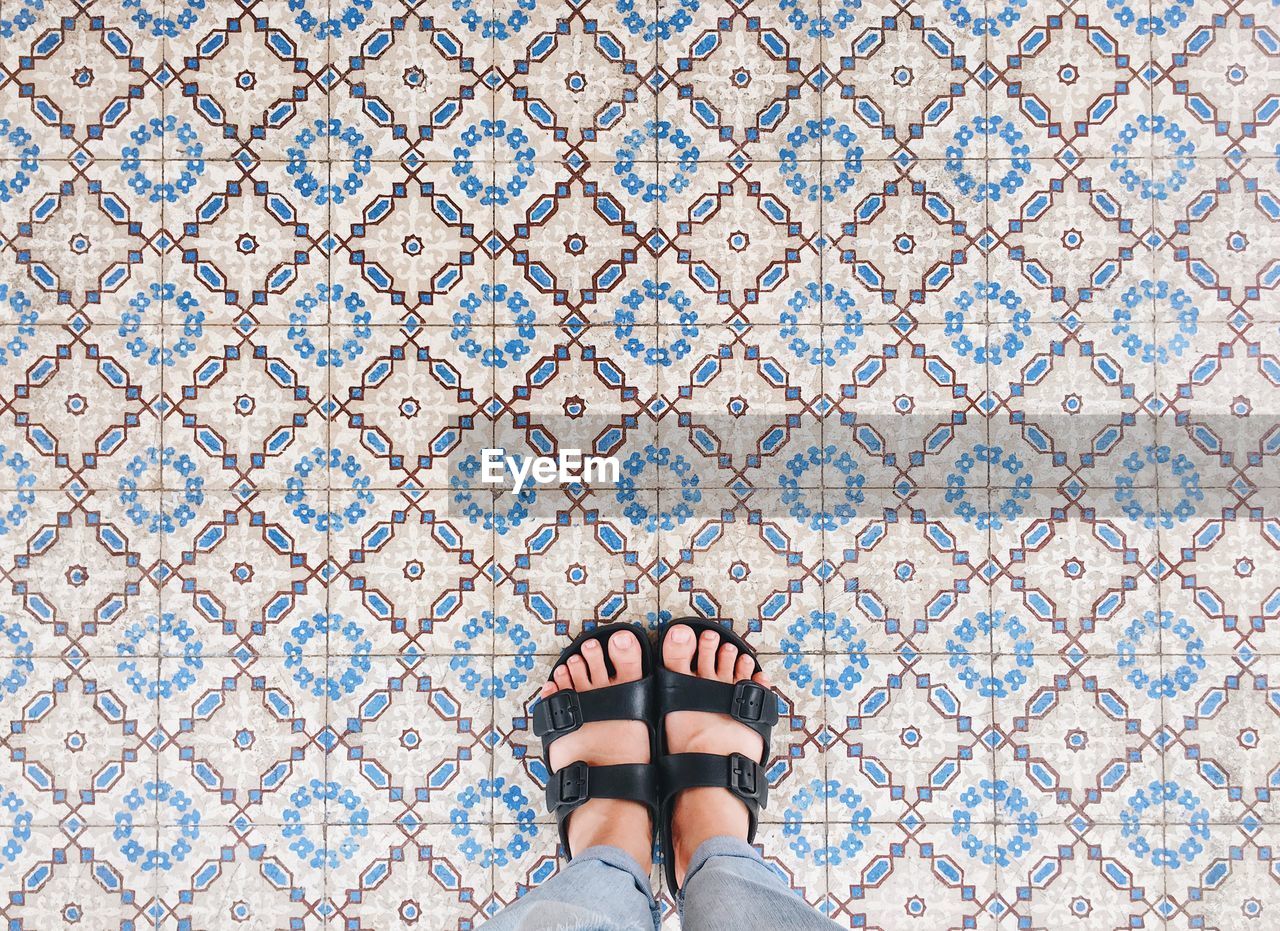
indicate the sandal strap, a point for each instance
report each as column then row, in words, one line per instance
column 741, row 775
column 574, row 785
column 578, row 782
column 565, row 711
column 747, row 702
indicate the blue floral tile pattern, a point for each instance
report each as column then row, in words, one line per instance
column 936, row 346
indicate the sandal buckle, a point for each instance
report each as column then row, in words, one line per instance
column 749, row 701
column 566, row 713
column 572, row 784
column 742, row 776
column 559, row 714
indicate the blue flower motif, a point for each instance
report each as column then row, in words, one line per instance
column 21, row 155
column 1008, row 491
column 17, row 646
column 511, row 641
column 1165, row 824
column 139, row 842
column 1136, row 171
column 989, row 21
column 1020, row 823
column 840, row 812
column 640, row 341
column 142, row 336
column 820, row 21
column 838, row 311
column 1184, row 493
column 323, row 188
column 347, row 502
column 1138, row 654
column 21, row 495
column 16, row 821
column 495, row 298
column 304, row 322
column 822, row 487
column 336, row 19
column 640, row 18
column 19, row 324
column 143, row 640
column 1137, row 301
column 975, row 638
column 1004, row 341
column 1157, row 20
column 328, row 655
column 324, row 823
column 517, row 161
column 474, row 838
column 179, row 510
column 802, row 147
column 180, row 174
column 480, row 16
column 993, row 132
column 674, row 475
column 480, row 507
column 28, row 14
column 822, row 633
column 638, row 145
column 164, row 24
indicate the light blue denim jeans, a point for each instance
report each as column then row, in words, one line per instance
column 727, row 888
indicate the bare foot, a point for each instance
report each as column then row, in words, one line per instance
column 702, row 813
column 616, row 822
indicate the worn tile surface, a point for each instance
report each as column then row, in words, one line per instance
column 938, row 345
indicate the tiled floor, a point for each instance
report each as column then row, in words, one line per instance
column 938, row 343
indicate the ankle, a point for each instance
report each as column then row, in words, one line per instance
column 701, row 814
column 614, row 823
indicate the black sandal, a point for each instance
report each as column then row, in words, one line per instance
column 567, row 710
column 747, row 702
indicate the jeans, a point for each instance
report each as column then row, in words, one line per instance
column 727, row 888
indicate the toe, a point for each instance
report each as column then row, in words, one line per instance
column 678, row 647
column 624, row 650
column 726, row 659
column 548, row 689
column 743, row 668
column 762, row 679
column 594, row 655
column 561, row 677
column 578, row 673
column 707, row 654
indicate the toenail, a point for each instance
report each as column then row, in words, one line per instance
column 681, row 634
column 624, row 643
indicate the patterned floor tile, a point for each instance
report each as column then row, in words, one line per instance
column 399, row 876
column 71, row 878
column 571, row 558
column 925, row 872
column 1231, row 889
column 935, row 347
column 1092, row 881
